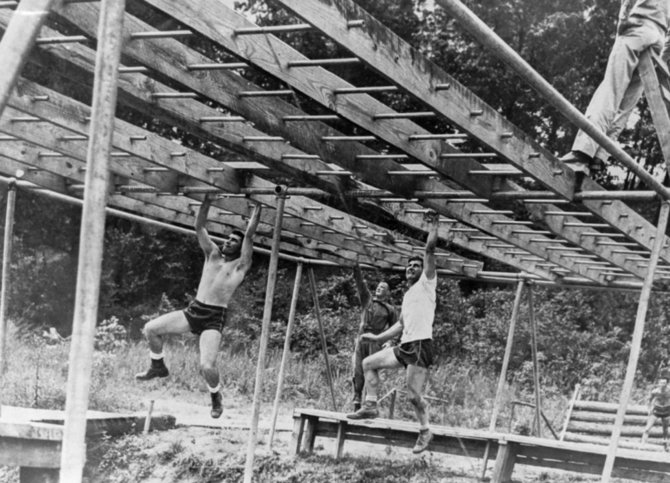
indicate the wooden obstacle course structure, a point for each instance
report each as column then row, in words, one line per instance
column 576, row 233
column 508, row 450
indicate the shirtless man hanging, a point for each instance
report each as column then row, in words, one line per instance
column 223, row 271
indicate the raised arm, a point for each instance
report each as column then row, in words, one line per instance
column 248, row 243
column 206, row 243
column 431, row 242
column 363, row 291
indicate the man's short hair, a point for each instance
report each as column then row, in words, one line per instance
column 415, row 258
column 239, row 234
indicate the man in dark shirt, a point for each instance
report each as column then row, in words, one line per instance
column 377, row 315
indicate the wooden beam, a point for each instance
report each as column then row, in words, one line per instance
column 80, row 363
column 6, row 267
column 502, row 378
column 18, row 40
column 263, row 342
column 285, row 353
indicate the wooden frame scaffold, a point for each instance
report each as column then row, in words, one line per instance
column 360, row 173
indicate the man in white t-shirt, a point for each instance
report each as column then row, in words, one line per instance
column 415, row 351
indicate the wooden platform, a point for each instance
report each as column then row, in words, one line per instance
column 507, row 449
column 31, row 438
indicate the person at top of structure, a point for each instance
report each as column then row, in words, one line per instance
column 642, row 25
column 223, row 271
column 659, row 407
column 378, row 315
column 415, row 351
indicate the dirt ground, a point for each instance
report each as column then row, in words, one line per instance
column 202, row 449
column 205, row 450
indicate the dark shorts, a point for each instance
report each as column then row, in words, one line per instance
column 203, row 317
column 661, row 411
column 415, row 353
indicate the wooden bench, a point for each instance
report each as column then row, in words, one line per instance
column 508, row 450
column 593, row 422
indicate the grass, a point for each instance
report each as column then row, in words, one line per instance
column 464, row 395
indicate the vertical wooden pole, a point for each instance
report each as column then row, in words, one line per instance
column 286, row 352
column 18, row 40
column 265, row 336
column 503, row 370
column 536, row 365
column 636, row 341
column 110, row 27
column 324, row 346
column 6, row 266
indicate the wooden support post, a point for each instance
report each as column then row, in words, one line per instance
column 286, row 352
column 265, row 336
column 73, row 453
column 317, row 310
column 298, row 430
column 394, row 395
column 503, row 370
column 636, row 342
column 502, row 473
column 18, row 40
column 310, row 433
column 341, row 437
column 6, row 266
column 147, row 420
column 536, row 365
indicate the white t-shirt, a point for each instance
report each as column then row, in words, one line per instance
column 418, row 310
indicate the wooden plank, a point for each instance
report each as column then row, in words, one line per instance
column 569, row 412
column 593, row 417
column 18, row 40
column 8, row 242
column 73, row 456
column 264, row 339
column 220, row 27
column 636, row 343
column 607, row 407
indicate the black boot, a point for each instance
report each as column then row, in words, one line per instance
column 157, row 369
column 217, row 406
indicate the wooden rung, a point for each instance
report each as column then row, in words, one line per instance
column 322, row 62
column 160, row 34
column 299, row 27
